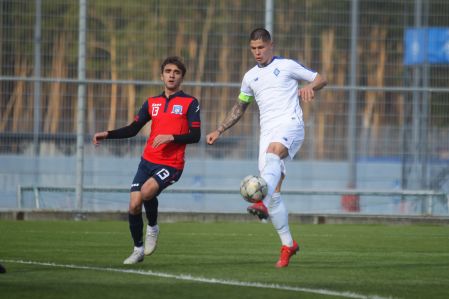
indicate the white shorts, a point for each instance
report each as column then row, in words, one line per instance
column 290, row 134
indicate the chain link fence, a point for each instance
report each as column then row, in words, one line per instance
column 382, row 123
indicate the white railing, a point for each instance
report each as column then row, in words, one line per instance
column 427, row 196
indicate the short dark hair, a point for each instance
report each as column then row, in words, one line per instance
column 176, row 61
column 260, row 33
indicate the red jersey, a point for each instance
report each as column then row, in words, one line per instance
column 172, row 116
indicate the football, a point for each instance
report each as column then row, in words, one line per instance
column 253, row 188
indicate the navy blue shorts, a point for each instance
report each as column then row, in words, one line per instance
column 164, row 175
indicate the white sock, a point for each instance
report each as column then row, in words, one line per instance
column 138, row 248
column 266, row 201
column 279, row 218
column 271, row 172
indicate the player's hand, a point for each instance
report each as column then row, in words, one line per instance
column 98, row 137
column 162, row 139
column 307, row 93
column 212, row 137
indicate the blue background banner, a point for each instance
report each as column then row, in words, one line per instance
column 426, row 45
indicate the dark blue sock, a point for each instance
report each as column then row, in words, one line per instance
column 151, row 210
column 136, row 228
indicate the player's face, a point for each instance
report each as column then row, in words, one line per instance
column 262, row 51
column 172, row 77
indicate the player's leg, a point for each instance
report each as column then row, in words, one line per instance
column 150, row 190
column 279, row 218
column 285, row 142
column 151, row 211
column 272, row 169
column 162, row 177
column 260, row 209
column 272, row 173
column 279, row 215
column 135, row 214
column 135, row 227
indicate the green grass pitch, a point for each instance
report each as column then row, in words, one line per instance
column 69, row 259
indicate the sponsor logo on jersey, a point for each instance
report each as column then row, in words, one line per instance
column 177, row 109
column 276, row 72
column 256, row 79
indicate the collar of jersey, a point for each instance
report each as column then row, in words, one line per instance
column 177, row 94
column 274, row 57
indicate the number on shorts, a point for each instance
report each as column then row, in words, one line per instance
column 163, row 174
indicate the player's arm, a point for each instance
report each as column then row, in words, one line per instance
column 231, row 119
column 193, row 136
column 128, row 131
column 234, row 116
column 307, row 92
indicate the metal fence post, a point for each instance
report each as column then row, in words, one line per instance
column 81, row 104
column 352, row 116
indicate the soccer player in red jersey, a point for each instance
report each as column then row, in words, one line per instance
column 175, row 122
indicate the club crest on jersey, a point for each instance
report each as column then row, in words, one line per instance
column 177, row 109
column 276, row 72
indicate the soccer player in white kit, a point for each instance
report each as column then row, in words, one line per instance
column 273, row 84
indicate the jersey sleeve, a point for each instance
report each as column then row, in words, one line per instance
column 300, row 72
column 133, row 128
column 246, row 93
column 143, row 116
column 193, row 114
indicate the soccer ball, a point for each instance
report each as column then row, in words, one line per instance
column 253, row 188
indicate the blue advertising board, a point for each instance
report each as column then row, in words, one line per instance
column 426, row 45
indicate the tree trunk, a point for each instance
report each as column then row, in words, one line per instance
column 19, row 92
column 90, row 110
column 223, row 76
column 340, row 106
column 179, row 41
column 308, row 110
column 15, row 103
column 326, row 111
column 376, row 57
column 58, row 70
column 131, row 88
column 204, row 46
column 114, row 87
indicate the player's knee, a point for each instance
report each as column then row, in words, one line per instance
column 134, row 208
column 277, row 149
column 149, row 191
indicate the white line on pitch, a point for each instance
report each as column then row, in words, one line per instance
column 203, row 279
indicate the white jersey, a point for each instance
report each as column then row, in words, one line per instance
column 275, row 89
